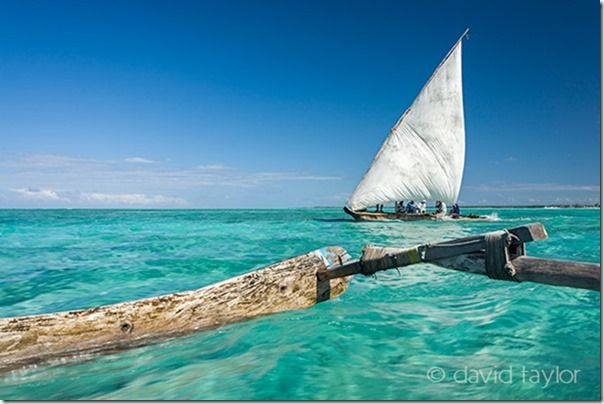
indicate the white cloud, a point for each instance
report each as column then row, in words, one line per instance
column 50, row 161
column 543, row 187
column 70, row 173
column 85, row 182
column 292, row 176
column 38, row 194
column 131, row 199
column 213, row 167
column 139, row 160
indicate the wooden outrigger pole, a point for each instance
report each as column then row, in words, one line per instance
column 288, row 285
column 499, row 255
column 293, row 284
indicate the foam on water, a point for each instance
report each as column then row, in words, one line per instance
column 376, row 341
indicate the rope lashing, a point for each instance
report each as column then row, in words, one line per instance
column 378, row 258
column 497, row 257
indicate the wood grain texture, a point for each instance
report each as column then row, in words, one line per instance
column 557, row 272
column 531, row 269
column 288, row 285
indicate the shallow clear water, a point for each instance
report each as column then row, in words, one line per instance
column 376, row 341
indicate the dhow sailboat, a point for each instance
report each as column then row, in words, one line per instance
column 423, row 156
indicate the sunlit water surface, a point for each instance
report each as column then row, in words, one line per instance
column 379, row 340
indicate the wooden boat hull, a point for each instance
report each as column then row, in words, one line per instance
column 410, row 217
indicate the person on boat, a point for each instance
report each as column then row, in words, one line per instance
column 411, row 207
column 422, row 206
column 441, row 207
column 455, row 212
column 379, row 208
column 399, row 207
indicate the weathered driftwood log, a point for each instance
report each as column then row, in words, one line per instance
column 288, row 285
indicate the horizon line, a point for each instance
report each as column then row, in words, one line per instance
column 533, row 206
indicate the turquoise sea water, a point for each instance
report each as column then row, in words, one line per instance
column 380, row 340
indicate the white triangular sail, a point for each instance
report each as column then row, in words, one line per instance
column 423, row 157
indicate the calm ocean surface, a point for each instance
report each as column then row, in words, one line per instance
column 377, row 341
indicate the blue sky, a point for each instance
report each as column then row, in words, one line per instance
column 285, row 103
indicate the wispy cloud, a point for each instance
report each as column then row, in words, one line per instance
column 50, row 160
column 131, row 199
column 293, row 176
column 38, row 194
column 49, row 195
column 213, row 167
column 136, row 181
column 139, row 160
column 143, row 169
column 539, row 187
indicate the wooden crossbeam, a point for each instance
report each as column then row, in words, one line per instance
column 468, row 254
column 382, row 258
